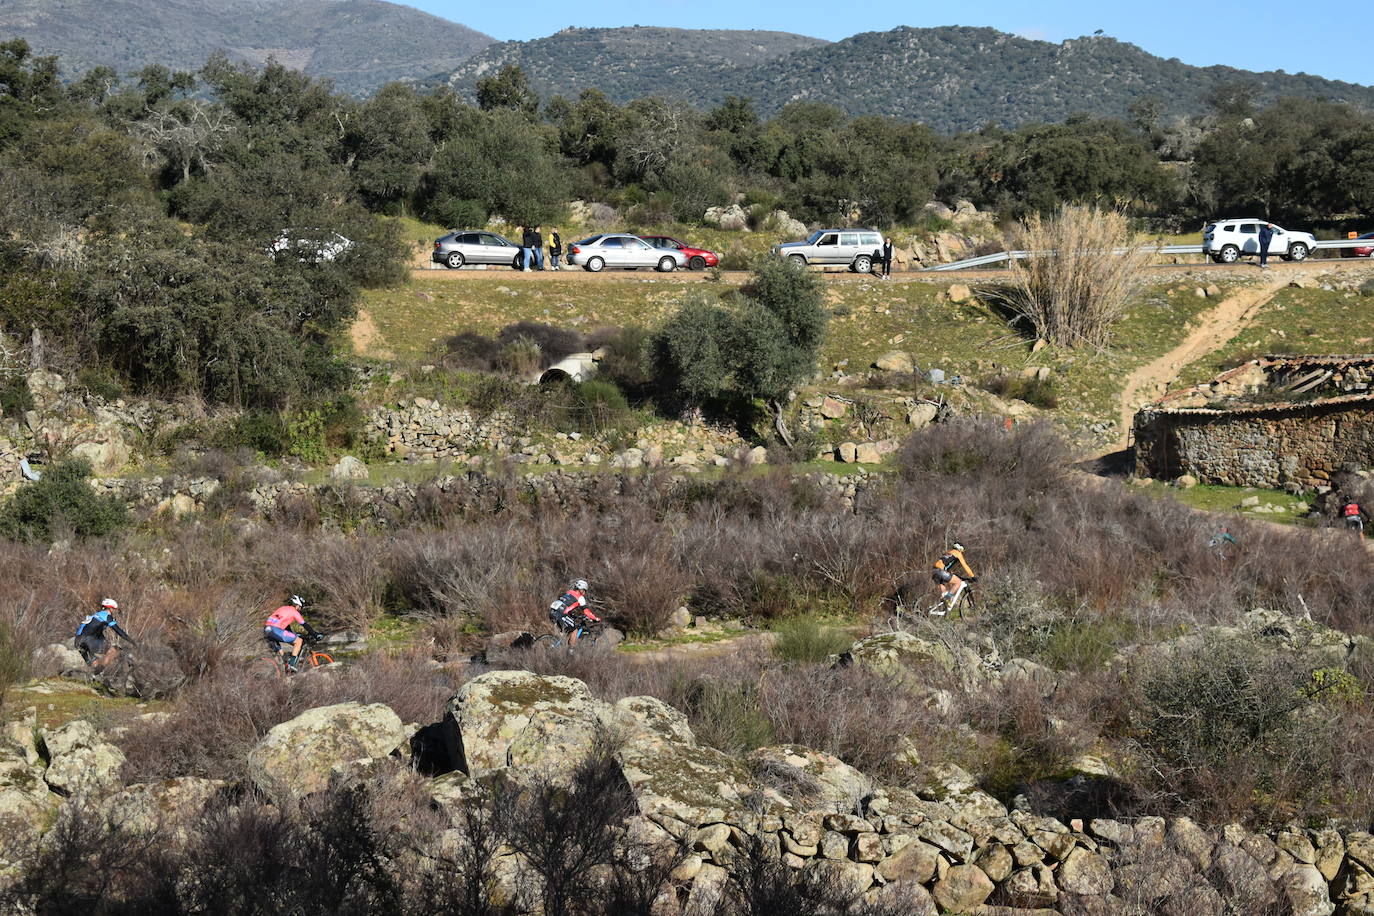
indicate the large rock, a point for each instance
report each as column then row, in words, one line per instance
column 145, row 808
column 1085, row 872
column 105, row 456
column 781, row 221
column 835, row 785
column 732, row 218
column 55, row 658
column 525, row 720
column 845, row 880
column 301, row 754
column 905, row 897
column 894, row 361
column 79, row 762
column 962, row 889
column 348, row 468
column 1242, row 881
column 1306, row 892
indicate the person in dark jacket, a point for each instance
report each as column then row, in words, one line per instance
column 538, row 248
column 527, row 248
column 887, row 257
column 1266, row 235
column 91, row 641
column 555, row 248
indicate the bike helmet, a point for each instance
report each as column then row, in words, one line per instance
column 110, row 604
column 957, row 546
column 580, row 585
column 298, row 601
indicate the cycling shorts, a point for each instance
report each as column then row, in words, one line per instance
column 277, row 634
column 567, row 623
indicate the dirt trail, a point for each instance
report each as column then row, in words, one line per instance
column 1216, row 328
column 366, row 338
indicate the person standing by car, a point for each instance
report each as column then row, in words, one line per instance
column 1266, row 235
column 538, row 248
column 527, row 248
column 555, row 248
column 887, row 257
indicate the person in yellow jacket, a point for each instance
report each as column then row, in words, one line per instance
column 947, row 575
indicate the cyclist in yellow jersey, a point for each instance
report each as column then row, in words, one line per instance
column 947, row 576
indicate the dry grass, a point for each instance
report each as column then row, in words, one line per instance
column 1073, row 288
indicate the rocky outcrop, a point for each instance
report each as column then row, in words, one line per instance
column 300, row 755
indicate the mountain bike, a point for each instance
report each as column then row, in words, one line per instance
column 964, row 600
column 589, row 633
column 276, row 664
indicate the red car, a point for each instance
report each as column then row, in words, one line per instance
column 1364, row 251
column 697, row 258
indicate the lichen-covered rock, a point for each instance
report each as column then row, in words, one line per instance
column 145, row 807
column 79, row 762
column 1085, row 872
column 962, row 889
column 831, row 781
column 521, row 719
column 846, row 880
column 300, row 755
column 1241, row 880
column 1306, row 892
column 905, row 897
column 916, row 861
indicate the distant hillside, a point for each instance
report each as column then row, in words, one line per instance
column 360, row 44
column 952, row 78
column 634, row 62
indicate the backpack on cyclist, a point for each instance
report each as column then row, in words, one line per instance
column 1350, row 510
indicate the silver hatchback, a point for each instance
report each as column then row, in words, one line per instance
column 470, row 246
column 625, row 251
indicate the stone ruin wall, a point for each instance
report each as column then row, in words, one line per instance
column 1320, row 420
column 1301, row 445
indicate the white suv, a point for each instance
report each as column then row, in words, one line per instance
column 1229, row 239
column 858, row 249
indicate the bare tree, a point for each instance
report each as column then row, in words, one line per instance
column 184, row 134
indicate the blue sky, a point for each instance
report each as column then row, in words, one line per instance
column 1331, row 41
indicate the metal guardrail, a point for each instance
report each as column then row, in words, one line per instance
column 1001, row 256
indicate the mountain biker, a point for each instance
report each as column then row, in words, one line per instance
column 277, row 629
column 1219, row 540
column 1354, row 515
column 91, row 641
column 570, row 610
column 946, row 575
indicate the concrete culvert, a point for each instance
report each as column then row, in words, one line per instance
column 576, row 367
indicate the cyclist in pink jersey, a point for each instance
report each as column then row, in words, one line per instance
column 277, row 629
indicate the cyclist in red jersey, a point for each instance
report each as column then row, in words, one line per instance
column 277, row 629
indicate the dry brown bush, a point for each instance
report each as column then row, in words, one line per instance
column 1074, row 285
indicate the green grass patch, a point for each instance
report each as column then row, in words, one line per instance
column 1272, row 505
column 806, row 639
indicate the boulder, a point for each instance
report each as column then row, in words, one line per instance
column 962, row 889
column 732, row 218
column 105, row 456
column 922, row 415
column 57, row 657
column 1242, row 882
column 520, row 719
column 847, row 452
column 178, row 505
column 1085, row 872
column 868, row 453
column 300, row 754
column 906, row 897
column 833, row 408
column 846, row 880
column 708, row 886
column 348, row 468
column 79, row 762
column 757, row 455
column 835, row 784
column 1191, row 841
column 959, row 292
column 916, row 861
column 781, row 221
column 144, row 808
column 1306, row 892
column 894, row 361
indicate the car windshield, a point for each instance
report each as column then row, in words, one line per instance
column 814, row 237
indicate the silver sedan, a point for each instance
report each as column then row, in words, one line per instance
column 470, row 246
column 624, row 251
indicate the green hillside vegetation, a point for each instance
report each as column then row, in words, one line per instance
column 358, row 44
column 629, row 63
column 950, row 78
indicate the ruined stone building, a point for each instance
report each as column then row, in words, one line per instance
column 1274, row 422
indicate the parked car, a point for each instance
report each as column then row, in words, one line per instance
column 311, row 245
column 1366, row 251
column 1224, row 241
column 626, row 251
column 858, row 249
column 697, row 258
column 472, row 246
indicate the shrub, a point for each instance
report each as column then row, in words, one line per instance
column 61, row 503
column 264, row 431
column 803, row 639
column 1036, row 391
column 1074, row 288
column 14, row 658
column 15, row 397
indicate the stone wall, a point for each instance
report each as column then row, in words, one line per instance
column 1272, row 447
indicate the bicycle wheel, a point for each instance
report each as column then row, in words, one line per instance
column 547, row 641
column 265, row 668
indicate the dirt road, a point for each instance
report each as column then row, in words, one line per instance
column 1217, row 327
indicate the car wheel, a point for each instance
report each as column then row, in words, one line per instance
column 595, row 264
column 797, row 259
column 515, row 263
column 1228, row 254
column 454, row 260
column 863, row 264
column 667, row 265
column 697, row 262
column 1298, row 252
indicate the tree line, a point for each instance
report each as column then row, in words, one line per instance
column 137, row 214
